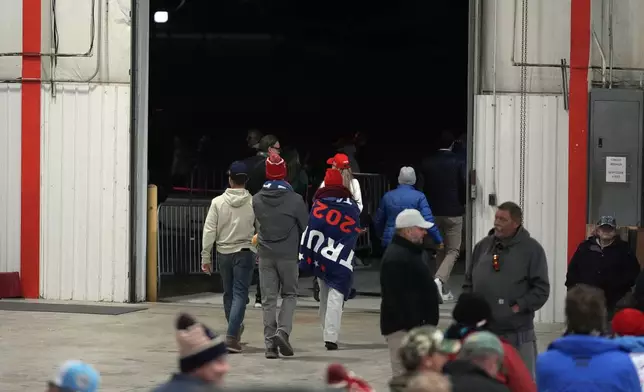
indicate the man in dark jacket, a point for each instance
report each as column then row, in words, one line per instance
column 256, row 166
column 203, row 362
column 606, row 262
column 444, row 184
column 408, row 294
column 477, row 365
column 281, row 217
column 509, row 269
column 257, row 163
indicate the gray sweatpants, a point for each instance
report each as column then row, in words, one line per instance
column 277, row 275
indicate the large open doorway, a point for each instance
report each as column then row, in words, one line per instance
column 310, row 73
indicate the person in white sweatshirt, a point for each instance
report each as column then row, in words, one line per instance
column 231, row 225
column 342, row 163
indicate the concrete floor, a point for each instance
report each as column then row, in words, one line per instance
column 137, row 351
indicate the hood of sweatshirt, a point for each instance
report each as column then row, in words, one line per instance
column 586, row 345
column 634, row 344
column 236, row 197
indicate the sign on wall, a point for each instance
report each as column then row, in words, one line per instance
column 616, row 169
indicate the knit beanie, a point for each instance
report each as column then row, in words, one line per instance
column 472, row 309
column 198, row 345
column 332, row 177
column 628, row 322
column 275, row 167
column 407, row 176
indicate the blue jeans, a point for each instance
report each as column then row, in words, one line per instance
column 236, row 271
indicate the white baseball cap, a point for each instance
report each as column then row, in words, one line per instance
column 412, row 218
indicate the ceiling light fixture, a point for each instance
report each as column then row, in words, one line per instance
column 161, row 16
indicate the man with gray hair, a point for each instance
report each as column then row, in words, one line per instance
column 477, row 364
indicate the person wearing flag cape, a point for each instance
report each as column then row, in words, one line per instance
column 326, row 250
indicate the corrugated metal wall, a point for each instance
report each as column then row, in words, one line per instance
column 10, row 146
column 546, row 187
column 85, row 163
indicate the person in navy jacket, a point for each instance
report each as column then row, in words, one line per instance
column 583, row 360
column 402, row 198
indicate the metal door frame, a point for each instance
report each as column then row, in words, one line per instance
column 473, row 89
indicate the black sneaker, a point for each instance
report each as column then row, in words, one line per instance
column 331, row 346
column 316, row 290
column 271, row 353
column 280, row 340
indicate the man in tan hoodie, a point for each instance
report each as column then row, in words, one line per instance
column 231, row 225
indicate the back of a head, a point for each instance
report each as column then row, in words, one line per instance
column 267, row 141
column 407, row 176
column 77, row 376
column 429, row 382
column 628, row 322
column 585, row 310
column 447, row 139
column 472, row 310
column 481, row 342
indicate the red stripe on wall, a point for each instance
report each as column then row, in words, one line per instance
column 578, row 123
column 30, row 164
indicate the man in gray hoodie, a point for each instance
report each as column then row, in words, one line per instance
column 281, row 217
column 510, row 270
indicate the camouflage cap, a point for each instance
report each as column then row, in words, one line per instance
column 426, row 340
column 607, row 221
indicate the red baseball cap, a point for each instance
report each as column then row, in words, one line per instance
column 340, row 161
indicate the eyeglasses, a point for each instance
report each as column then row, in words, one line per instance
column 495, row 263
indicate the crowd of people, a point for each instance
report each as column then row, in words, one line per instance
column 260, row 223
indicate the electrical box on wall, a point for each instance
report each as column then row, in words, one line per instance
column 616, row 155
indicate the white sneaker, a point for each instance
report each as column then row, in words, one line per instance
column 448, row 297
column 258, row 305
column 439, row 286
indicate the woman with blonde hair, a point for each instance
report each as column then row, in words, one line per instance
column 341, row 163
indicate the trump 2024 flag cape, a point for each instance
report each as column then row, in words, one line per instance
column 326, row 246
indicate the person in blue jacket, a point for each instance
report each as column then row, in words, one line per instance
column 584, row 360
column 402, row 198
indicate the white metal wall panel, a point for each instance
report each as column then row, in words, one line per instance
column 10, row 147
column 110, row 60
column 10, row 39
column 496, row 160
column 548, row 42
column 628, row 38
column 85, row 193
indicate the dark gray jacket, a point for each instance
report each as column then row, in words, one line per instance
column 281, row 218
column 522, row 279
column 185, row 383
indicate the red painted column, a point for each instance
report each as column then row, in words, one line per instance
column 30, row 164
column 578, row 123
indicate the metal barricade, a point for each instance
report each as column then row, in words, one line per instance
column 180, row 230
column 373, row 187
